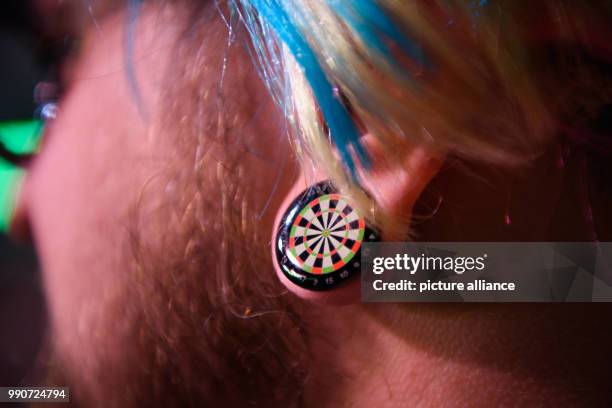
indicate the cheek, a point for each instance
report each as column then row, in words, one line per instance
column 78, row 190
column 98, row 159
column 93, row 163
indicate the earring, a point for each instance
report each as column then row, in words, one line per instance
column 318, row 242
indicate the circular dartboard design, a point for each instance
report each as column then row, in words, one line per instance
column 320, row 238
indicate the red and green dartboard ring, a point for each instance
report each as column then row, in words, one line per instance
column 320, row 238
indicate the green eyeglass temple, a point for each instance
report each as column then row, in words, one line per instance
column 20, row 138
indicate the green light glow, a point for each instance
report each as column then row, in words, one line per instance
column 19, row 137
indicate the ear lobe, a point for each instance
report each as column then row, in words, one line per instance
column 395, row 183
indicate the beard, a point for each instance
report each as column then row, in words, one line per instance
column 194, row 315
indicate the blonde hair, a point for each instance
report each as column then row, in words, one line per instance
column 475, row 93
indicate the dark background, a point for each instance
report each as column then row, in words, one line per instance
column 22, row 310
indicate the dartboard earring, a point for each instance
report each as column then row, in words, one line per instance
column 319, row 238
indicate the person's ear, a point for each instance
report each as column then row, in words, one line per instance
column 396, row 180
column 317, row 234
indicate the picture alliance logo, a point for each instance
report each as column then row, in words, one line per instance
column 412, row 264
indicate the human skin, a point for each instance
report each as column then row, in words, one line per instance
column 101, row 153
column 103, row 161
